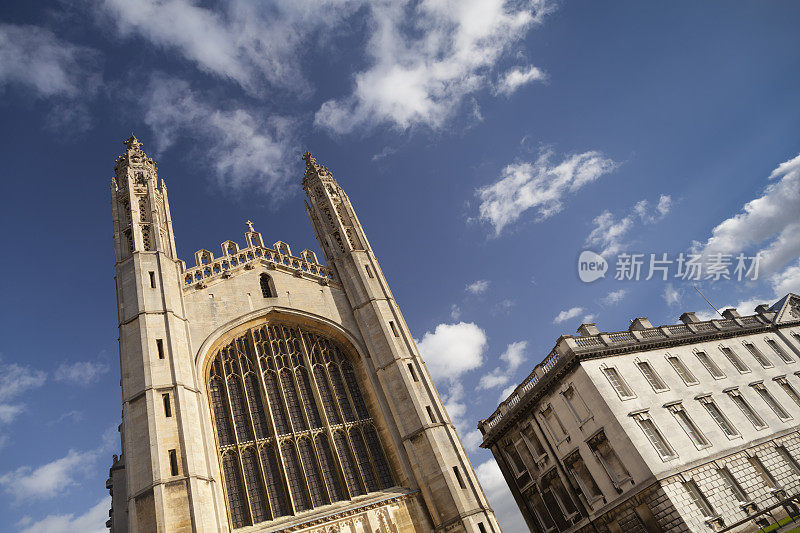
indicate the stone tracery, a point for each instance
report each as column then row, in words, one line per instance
column 293, row 430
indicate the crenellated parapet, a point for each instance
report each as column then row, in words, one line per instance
column 235, row 259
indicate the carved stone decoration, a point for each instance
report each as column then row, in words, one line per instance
column 794, row 308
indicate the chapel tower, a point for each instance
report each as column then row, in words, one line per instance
column 264, row 391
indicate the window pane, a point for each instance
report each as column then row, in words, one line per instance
column 255, row 489
column 275, row 489
column 710, row 365
column 616, row 381
column 772, row 403
column 651, row 376
column 748, row 411
column 778, row 350
column 658, row 441
column 233, row 486
column 294, row 476
column 698, row 499
column 688, row 426
column 737, row 363
column 682, row 371
column 757, row 355
column 720, row 419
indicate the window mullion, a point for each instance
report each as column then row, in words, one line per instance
column 235, row 440
column 265, row 407
column 321, row 471
column 325, row 422
column 252, row 429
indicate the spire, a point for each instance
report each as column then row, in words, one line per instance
column 314, row 169
column 134, row 157
column 133, row 144
column 249, row 226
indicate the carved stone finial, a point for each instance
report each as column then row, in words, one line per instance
column 250, row 226
column 132, row 143
column 314, row 169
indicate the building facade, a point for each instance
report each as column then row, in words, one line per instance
column 687, row 427
column 265, row 391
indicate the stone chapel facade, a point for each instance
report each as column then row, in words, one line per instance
column 264, row 391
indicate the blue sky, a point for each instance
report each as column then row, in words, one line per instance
column 485, row 144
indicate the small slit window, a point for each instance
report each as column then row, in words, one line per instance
column 412, row 372
column 167, row 405
column 173, row 462
column 152, row 279
column 481, row 527
column 369, row 271
column 267, row 289
column 394, row 329
column 160, row 348
column 430, row 413
column 457, row 472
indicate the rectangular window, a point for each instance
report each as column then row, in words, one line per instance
column 684, row 373
column 369, row 271
column 748, row 411
column 553, row 423
column 609, row 459
column 771, row 402
column 790, row 391
column 787, row 457
column 698, row 499
column 655, row 437
column 710, row 365
column 394, row 329
column 757, row 355
column 173, row 462
column 430, row 413
column 412, row 372
column 160, row 348
column 688, row 425
column 778, row 350
column 532, row 441
column 652, row 377
column 576, row 405
column 737, row 363
column 481, row 528
column 719, row 418
column 582, row 476
column 457, row 472
column 152, row 279
column 618, row 383
column 167, row 405
column 756, row 463
column 733, row 485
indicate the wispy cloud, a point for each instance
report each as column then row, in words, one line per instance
column 48, row 480
column 609, row 232
column 35, row 59
column 425, row 58
column 513, row 79
column 245, row 149
column 80, row 373
column 614, row 297
column 499, row 495
column 15, row 380
column 478, row 287
column 567, row 314
column 672, row 295
column 513, row 357
column 542, row 185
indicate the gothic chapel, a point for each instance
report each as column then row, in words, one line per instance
column 264, row 391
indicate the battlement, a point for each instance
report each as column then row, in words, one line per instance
column 235, row 259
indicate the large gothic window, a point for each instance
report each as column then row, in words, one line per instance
column 292, row 426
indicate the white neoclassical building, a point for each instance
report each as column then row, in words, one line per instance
column 687, row 427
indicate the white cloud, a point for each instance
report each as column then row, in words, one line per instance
column 507, row 392
column 588, row 319
column 672, row 295
column 48, row 480
column 614, row 297
column 245, row 149
column 503, row 307
column 426, row 57
column 478, row 287
column 80, row 372
column 254, row 44
column 92, row 521
column 567, row 314
column 541, row 185
column 500, row 497
column 609, row 232
column 513, row 357
column 36, row 59
column 453, row 349
column 455, row 312
column 769, row 222
column 515, row 78
column 9, row 412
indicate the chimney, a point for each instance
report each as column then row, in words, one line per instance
column 689, row 318
column 640, row 323
column 588, row 329
column 730, row 313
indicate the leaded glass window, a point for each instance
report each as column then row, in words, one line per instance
column 266, row 387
